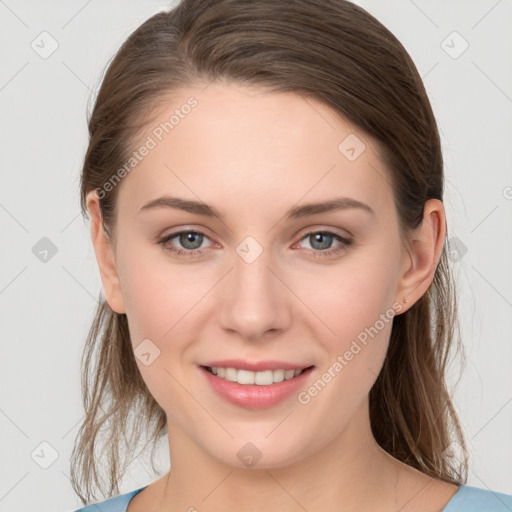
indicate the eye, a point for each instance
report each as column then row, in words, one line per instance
column 190, row 240
column 321, row 241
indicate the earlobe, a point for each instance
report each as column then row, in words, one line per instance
column 105, row 257
column 421, row 259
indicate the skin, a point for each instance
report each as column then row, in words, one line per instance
column 253, row 155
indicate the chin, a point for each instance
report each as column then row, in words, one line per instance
column 258, row 454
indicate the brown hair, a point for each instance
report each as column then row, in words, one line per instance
column 335, row 52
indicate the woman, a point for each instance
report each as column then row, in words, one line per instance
column 265, row 182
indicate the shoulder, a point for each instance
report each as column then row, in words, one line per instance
column 117, row 504
column 474, row 499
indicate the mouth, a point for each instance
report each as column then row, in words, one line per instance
column 259, row 378
column 255, row 384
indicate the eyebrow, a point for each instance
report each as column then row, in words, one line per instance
column 296, row 212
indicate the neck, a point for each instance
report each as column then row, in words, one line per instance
column 351, row 472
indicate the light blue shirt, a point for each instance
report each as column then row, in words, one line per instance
column 466, row 499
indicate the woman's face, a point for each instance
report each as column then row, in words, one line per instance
column 257, row 284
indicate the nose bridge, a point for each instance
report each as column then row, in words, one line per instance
column 255, row 300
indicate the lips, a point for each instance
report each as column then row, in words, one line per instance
column 256, row 396
column 256, row 366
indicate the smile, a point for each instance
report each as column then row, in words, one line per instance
column 255, row 384
column 247, row 377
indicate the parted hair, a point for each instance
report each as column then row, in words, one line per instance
column 335, row 52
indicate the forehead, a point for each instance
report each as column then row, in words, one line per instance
column 232, row 145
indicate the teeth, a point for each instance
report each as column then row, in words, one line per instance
column 264, row 378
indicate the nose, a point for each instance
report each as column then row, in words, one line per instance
column 255, row 301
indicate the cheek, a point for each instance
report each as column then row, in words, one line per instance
column 159, row 300
column 359, row 312
column 156, row 292
column 357, row 307
column 350, row 301
column 352, row 296
column 360, row 323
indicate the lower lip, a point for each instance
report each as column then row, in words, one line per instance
column 253, row 396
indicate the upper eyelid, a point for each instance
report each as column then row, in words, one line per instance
column 309, row 231
column 339, row 238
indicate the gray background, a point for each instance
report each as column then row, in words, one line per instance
column 46, row 307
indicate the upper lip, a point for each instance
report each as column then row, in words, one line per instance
column 256, row 366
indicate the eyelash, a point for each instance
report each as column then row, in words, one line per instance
column 345, row 243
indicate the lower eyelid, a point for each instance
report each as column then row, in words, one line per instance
column 336, row 236
column 168, row 238
column 343, row 242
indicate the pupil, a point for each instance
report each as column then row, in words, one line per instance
column 320, row 236
column 190, row 238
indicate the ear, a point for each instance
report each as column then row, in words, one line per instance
column 421, row 259
column 105, row 256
